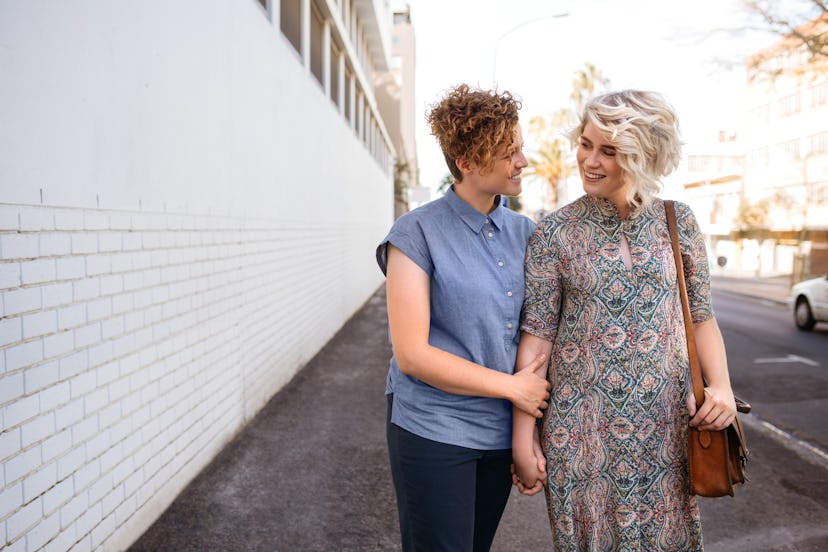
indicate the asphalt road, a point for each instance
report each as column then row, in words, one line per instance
column 780, row 370
column 783, row 373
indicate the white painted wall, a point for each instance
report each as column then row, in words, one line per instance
column 185, row 219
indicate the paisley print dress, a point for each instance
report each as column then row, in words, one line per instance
column 615, row 431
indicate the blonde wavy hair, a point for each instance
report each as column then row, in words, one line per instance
column 643, row 128
column 474, row 124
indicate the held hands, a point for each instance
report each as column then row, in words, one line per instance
column 717, row 412
column 528, row 468
column 530, row 392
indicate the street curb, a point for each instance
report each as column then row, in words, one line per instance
column 805, row 450
column 751, row 295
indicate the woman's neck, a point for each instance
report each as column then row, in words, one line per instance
column 624, row 209
column 481, row 201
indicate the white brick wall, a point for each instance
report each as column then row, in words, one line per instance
column 122, row 378
column 185, row 219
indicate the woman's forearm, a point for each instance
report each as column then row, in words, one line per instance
column 407, row 292
column 523, row 425
column 452, row 373
column 712, row 354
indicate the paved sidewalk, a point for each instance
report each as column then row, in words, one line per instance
column 774, row 288
column 310, row 473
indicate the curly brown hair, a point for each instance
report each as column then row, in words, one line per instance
column 473, row 123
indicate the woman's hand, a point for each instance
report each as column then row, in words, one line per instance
column 530, row 392
column 719, row 408
column 529, row 471
column 717, row 412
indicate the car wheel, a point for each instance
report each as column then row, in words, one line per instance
column 802, row 315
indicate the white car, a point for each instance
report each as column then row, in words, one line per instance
column 809, row 300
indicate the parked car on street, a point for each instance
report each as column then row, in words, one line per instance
column 809, row 300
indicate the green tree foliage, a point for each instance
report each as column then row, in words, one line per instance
column 445, row 183
column 402, row 175
column 752, row 219
column 515, row 204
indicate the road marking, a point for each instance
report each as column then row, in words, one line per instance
column 804, row 450
column 766, row 538
column 785, row 359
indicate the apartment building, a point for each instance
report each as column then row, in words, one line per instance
column 190, row 197
column 762, row 197
column 395, row 96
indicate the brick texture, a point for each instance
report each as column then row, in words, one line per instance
column 134, row 345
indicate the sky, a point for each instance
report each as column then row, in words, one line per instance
column 670, row 46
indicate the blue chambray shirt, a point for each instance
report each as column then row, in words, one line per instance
column 475, row 263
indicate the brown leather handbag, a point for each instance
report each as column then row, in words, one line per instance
column 717, row 459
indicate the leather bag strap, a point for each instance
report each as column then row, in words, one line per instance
column 695, row 367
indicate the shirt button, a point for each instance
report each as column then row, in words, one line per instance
column 509, row 325
column 490, row 234
column 499, row 263
column 508, row 293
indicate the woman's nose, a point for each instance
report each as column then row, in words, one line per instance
column 591, row 159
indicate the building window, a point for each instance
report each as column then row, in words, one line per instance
column 819, row 193
column 335, row 53
column 819, row 143
column 789, row 105
column 819, row 95
column 316, row 24
column 790, row 148
column 290, row 20
column 402, row 17
column 349, row 78
column 697, row 163
column 360, row 114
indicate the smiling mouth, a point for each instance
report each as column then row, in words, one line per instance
column 593, row 176
column 516, row 177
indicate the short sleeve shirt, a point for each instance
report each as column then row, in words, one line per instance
column 475, row 266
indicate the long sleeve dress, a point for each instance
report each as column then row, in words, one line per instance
column 614, row 434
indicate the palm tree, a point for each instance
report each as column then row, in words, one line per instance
column 586, row 84
column 549, row 161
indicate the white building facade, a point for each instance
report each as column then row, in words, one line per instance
column 395, row 97
column 761, row 196
column 190, row 197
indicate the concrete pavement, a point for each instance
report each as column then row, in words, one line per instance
column 310, row 473
column 773, row 288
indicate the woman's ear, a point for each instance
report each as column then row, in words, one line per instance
column 464, row 165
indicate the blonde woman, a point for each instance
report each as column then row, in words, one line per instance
column 602, row 302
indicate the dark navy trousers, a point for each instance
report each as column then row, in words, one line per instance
column 449, row 498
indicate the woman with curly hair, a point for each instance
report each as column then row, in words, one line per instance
column 602, row 302
column 454, row 269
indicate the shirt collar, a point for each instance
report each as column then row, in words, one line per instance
column 473, row 218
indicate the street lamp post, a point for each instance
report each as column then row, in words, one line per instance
column 516, row 27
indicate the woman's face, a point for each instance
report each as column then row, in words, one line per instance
column 600, row 172
column 508, row 162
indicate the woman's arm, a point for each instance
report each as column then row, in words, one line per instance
column 719, row 408
column 530, row 463
column 409, row 315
